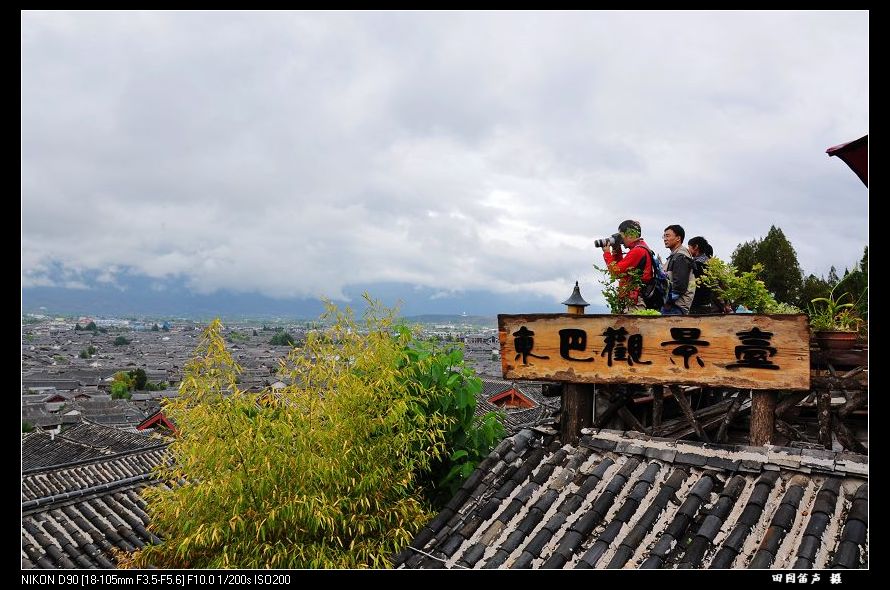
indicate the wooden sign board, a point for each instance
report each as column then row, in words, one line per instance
column 745, row 351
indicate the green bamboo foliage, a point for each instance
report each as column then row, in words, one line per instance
column 323, row 473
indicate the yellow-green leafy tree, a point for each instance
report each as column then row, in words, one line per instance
column 325, row 472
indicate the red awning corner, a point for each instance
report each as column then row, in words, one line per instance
column 855, row 154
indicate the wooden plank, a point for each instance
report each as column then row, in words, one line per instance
column 726, row 350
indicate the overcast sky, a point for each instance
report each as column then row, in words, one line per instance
column 295, row 154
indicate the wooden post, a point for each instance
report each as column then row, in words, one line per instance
column 823, row 403
column 577, row 411
column 763, row 417
column 577, row 398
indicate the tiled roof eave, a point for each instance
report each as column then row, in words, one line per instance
column 100, row 459
column 43, row 503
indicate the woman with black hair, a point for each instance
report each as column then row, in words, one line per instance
column 705, row 300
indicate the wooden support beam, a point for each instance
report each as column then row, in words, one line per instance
column 709, row 418
column 853, row 372
column 790, row 402
column 836, row 383
column 763, row 417
column 657, row 408
column 859, row 400
column 789, row 431
column 618, row 399
column 730, row 415
column 823, row 403
column 681, row 398
column 577, row 411
column 630, row 420
column 846, row 438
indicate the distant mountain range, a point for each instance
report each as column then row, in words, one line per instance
column 143, row 296
column 444, row 318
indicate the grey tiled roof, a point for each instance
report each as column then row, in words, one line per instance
column 58, row 384
column 51, row 484
column 37, row 415
column 623, row 500
column 83, row 442
column 109, row 411
column 85, row 532
column 516, row 419
column 77, row 516
column 492, row 387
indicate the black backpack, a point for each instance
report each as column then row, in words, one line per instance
column 654, row 293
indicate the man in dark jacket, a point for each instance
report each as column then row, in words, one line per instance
column 679, row 269
column 637, row 256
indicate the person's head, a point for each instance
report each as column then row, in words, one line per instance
column 630, row 230
column 698, row 246
column 673, row 236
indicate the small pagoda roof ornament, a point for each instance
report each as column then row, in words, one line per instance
column 576, row 298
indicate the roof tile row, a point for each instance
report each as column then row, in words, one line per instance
column 618, row 501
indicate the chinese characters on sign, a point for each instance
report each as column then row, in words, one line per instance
column 756, row 351
column 614, row 340
column 524, row 342
column 687, row 338
column 616, row 349
column 572, row 339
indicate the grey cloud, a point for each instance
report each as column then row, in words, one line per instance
column 301, row 153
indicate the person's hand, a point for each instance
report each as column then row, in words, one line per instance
column 605, row 248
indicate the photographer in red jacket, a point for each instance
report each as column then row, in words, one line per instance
column 630, row 232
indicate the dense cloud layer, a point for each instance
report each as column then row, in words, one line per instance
column 299, row 154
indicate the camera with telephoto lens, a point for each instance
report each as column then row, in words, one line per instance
column 610, row 241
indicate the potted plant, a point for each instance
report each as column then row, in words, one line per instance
column 834, row 321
